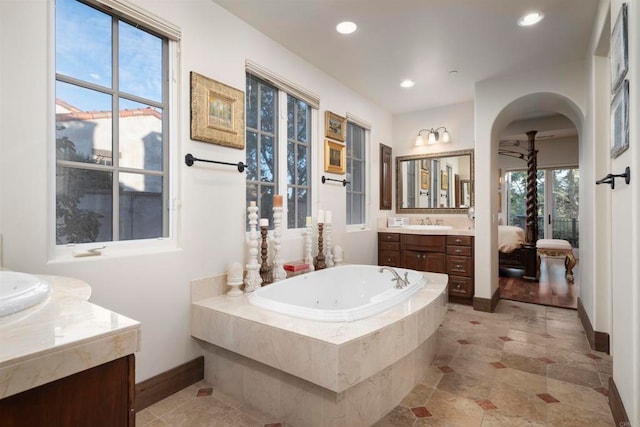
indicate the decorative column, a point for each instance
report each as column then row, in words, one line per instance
column 327, row 232
column 253, row 280
column 277, row 272
column 531, row 234
column 308, row 257
column 319, row 263
column 265, row 268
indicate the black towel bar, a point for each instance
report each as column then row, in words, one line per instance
column 343, row 181
column 611, row 178
column 189, row 160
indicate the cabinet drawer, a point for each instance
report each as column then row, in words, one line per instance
column 388, row 237
column 390, row 258
column 459, row 250
column 460, row 240
column 389, row 246
column 459, row 266
column 423, row 243
column 461, row 286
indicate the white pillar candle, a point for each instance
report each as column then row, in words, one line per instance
column 264, row 222
column 327, row 217
column 320, row 216
column 252, row 203
column 308, row 223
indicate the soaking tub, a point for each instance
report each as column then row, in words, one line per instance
column 316, row 372
column 339, row 294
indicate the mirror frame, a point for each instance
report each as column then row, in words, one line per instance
column 399, row 159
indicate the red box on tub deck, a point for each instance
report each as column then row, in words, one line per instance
column 296, row 266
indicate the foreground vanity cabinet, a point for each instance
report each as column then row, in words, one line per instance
column 460, row 268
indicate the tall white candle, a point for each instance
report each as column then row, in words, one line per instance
column 320, row 216
column 327, row 217
column 264, row 222
column 252, row 203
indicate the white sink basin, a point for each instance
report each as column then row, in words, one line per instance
column 19, row 291
column 428, row 227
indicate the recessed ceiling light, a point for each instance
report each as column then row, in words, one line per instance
column 407, row 83
column 453, row 73
column 346, row 27
column 530, row 19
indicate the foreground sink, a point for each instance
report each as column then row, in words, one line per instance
column 19, row 291
column 428, row 227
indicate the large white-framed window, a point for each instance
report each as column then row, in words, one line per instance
column 356, row 142
column 279, row 141
column 112, row 97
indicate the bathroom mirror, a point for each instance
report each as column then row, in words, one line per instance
column 435, row 183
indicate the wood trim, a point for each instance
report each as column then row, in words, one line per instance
column 165, row 384
column 598, row 341
column 487, row 304
column 617, row 407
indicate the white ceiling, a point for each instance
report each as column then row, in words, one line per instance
column 422, row 40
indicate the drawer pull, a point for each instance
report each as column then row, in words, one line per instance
column 458, row 241
column 458, row 286
column 458, row 266
column 388, row 259
column 458, row 251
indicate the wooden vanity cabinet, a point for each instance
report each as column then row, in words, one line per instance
column 389, row 249
column 423, row 253
column 460, row 268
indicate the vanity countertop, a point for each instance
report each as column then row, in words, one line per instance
column 452, row 232
column 63, row 335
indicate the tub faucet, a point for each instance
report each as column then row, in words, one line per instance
column 400, row 282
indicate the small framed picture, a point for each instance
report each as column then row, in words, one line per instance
column 335, row 126
column 620, row 120
column 619, row 49
column 424, row 179
column 444, row 180
column 335, row 157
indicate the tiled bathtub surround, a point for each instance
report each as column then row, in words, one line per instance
column 335, row 363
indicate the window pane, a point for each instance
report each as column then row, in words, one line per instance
column 252, row 156
column 140, row 136
column 267, row 157
column 303, row 121
column 83, row 125
column 291, row 162
column 140, row 60
column 252, row 103
column 290, row 117
column 303, row 203
column 267, row 109
column 84, row 203
column 291, row 208
column 252, row 193
column 357, row 182
column 266, row 203
column 140, row 206
column 83, row 42
column 302, row 165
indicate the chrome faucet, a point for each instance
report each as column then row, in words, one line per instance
column 428, row 221
column 400, row 282
column 439, row 221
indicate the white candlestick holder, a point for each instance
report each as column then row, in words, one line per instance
column 253, row 280
column 308, row 258
column 278, row 271
column 328, row 252
column 234, row 279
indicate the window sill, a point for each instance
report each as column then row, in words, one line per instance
column 65, row 254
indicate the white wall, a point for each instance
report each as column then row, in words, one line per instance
column 551, row 153
column 154, row 287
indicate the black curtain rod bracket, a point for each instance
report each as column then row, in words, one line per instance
column 190, row 160
column 343, row 181
column 611, row 178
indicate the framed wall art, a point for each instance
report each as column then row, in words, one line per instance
column 335, row 157
column 335, row 126
column 424, row 179
column 444, row 180
column 619, row 49
column 620, row 120
column 217, row 112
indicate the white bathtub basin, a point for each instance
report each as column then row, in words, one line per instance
column 428, row 227
column 19, row 291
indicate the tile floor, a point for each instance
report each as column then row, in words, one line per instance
column 524, row 365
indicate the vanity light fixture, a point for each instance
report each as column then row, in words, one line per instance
column 346, row 27
column 434, row 136
column 530, row 19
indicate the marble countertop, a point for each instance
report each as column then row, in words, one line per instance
column 63, row 335
column 452, row 232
